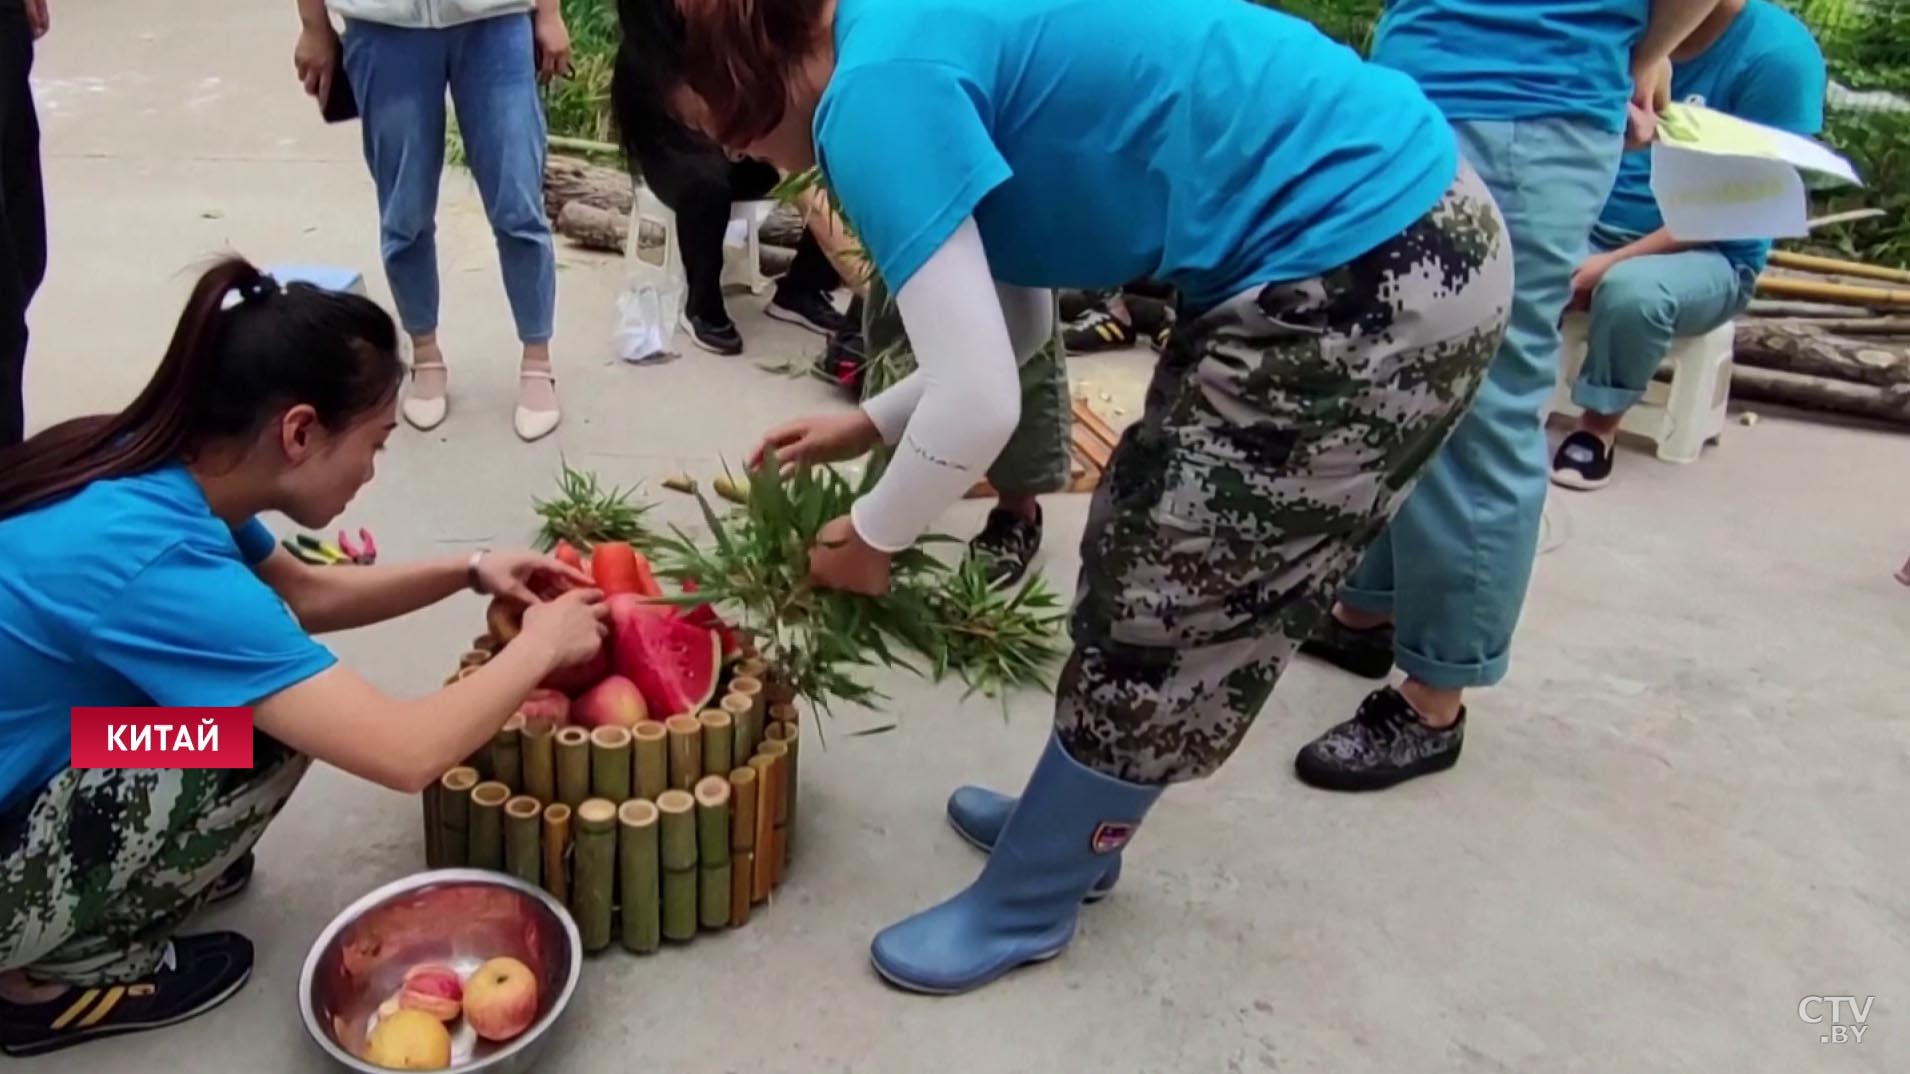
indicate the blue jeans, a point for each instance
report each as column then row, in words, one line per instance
column 1453, row 565
column 1641, row 306
column 399, row 77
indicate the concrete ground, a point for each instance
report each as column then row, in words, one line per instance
column 1682, row 814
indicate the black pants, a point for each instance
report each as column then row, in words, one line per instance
column 698, row 185
column 22, row 215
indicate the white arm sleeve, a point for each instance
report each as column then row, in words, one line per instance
column 966, row 406
column 1029, row 313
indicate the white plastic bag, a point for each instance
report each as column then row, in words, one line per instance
column 648, row 309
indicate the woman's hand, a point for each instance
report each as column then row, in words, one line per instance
column 1586, row 277
column 572, row 626
column 509, row 574
column 316, row 59
column 842, row 560
column 824, row 438
column 553, row 44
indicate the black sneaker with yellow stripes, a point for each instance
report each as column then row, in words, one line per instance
column 196, row 974
column 1097, row 330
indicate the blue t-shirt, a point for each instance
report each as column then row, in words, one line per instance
column 1517, row 59
column 131, row 592
column 1766, row 68
column 1208, row 144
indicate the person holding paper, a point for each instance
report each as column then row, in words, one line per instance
column 1643, row 288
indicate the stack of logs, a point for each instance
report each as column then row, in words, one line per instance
column 590, row 205
column 1827, row 334
column 649, row 834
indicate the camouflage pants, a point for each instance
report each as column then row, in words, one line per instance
column 1035, row 459
column 100, row 870
column 1281, row 431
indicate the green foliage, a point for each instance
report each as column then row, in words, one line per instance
column 579, row 106
column 1349, row 22
column 1878, row 145
column 583, row 513
column 1866, row 42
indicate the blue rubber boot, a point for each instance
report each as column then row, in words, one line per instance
column 1056, row 843
column 978, row 815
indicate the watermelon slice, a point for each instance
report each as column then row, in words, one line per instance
column 704, row 615
column 674, row 663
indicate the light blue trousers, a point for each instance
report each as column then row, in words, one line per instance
column 400, row 76
column 1641, row 306
column 1453, row 565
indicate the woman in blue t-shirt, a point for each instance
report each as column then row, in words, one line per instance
column 1343, row 282
column 134, row 571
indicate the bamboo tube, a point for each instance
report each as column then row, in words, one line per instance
column 454, row 816
column 610, row 763
column 522, row 847
column 573, row 766
column 473, row 658
column 507, row 759
column 753, row 668
column 784, row 712
column 1819, row 291
column 764, row 842
column 653, row 760
column 539, row 759
column 433, row 829
column 487, row 825
column 637, row 868
column 789, row 733
column 686, row 751
column 596, row 843
column 779, row 829
column 751, row 688
column 556, row 847
column 743, row 738
column 718, row 740
column 676, row 853
column 777, row 691
column 480, row 762
column 1811, row 263
column 742, row 842
column 713, row 850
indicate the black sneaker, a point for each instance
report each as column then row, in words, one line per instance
column 197, row 974
column 714, row 336
column 1583, row 462
column 1161, row 337
column 844, row 361
column 807, row 309
column 1006, row 545
column 1097, row 330
column 1385, row 743
column 1367, row 652
column 232, row 881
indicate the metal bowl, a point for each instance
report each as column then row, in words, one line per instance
column 456, row 917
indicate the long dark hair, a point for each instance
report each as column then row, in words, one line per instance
column 231, row 367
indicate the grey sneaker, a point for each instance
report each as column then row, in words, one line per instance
column 1385, row 743
column 1006, row 545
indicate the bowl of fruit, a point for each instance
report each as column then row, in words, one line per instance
column 455, row 969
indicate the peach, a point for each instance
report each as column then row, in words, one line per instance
column 614, row 702
column 545, row 707
column 500, row 999
column 435, row 990
column 410, row 1040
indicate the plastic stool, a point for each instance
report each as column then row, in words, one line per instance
column 329, row 277
column 1680, row 417
column 743, row 269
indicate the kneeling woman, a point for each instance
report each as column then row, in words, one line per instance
column 1344, row 282
column 134, row 571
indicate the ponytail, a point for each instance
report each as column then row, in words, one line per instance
column 230, row 367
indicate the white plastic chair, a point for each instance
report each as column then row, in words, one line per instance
column 742, row 253
column 329, row 277
column 1680, row 417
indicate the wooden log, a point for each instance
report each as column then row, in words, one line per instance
column 523, row 845
column 718, row 740
column 1807, row 347
column 557, row 851
column 1819, row 393
column 778, row 752
column 487, row 825
column 567, row 180
column 743, row 793
column 762, row 871
column 539, row 759
column 593, row 228
column 686, row 751
column 640, row 876
column 742, row 744
column 653, row 760
column 1773, row 307
column 1861, row 269
column 596, row 871
column 610, row 763
column 507, row 765
column 713, row 851
column 677, row 856
column 573, row 766
column 454, row 816
column 789, row 733
column 1819, row 291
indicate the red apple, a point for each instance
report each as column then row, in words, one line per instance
column 545, row 706
column 500, row 999
column 577, row 678
column 435, row 990
column 614, row 702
